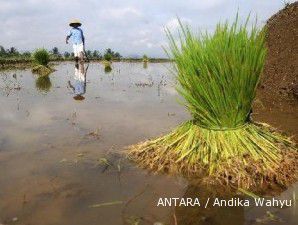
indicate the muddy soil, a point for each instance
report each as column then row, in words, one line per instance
column 279, row 82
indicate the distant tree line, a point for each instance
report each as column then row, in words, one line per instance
column 55, row 54
column 12, row 52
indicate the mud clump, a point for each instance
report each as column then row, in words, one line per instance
column 279, row 81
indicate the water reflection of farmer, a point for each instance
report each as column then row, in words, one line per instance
column 79, row 86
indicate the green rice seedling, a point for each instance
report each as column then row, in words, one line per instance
column 218, row 75
column 108, row 57
column 41, row 57
column 107, row 66
column 145, row 58
column 145, row 61
column 41, row 60
column 42, row 70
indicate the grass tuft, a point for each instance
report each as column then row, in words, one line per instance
column 41, row 57
column 107, row 66
column 41, row 60
column 145, row 59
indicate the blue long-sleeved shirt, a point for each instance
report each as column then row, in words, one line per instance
column 76, row 35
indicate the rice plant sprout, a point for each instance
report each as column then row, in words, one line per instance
column 41, row 58
column 218, row 75
column 145, row 61
column 107, row 62
column 107, row 66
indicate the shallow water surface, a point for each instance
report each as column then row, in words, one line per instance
column 59, row 156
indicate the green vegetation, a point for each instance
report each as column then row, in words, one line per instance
column 145, row 61
column 107, row 57
column 107, row 66
column 12, row 58
column 218, row 75
column 111, row 55
column 41, row 70
column 145, row 58
column 96, row 55
column 43, row 83
column 11, row 52
column 41, row 57
column 55, row 54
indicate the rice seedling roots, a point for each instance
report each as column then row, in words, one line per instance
column 254, row 156
column 42, row 70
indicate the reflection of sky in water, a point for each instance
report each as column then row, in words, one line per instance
column 39, row 129
column 112, row 101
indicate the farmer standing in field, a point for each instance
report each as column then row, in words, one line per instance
column 78, row 40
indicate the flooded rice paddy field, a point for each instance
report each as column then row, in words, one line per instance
column 59, row 161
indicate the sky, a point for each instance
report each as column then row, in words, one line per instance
column 131, row 27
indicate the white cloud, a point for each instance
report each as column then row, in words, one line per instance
column 149, row 45
column 193, row 5
column 173, row 23
column 120, row 13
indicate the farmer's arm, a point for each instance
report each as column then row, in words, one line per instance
column 83, row 37
column 67, row 37
column 66, row 40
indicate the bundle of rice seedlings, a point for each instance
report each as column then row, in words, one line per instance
column 42, row 70
column 218, row 75
column 145, row 58
column 41, row 60
column 41, row 57
column 107, row 66
column 145, row 61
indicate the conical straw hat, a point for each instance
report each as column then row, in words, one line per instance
column 75, row 21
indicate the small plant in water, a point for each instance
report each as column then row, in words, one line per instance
column 145, row 58
column 108, row 57
column 107, row 66
column 41, row 57
column 41, row 60
column 145, row 61
column 218, row 75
